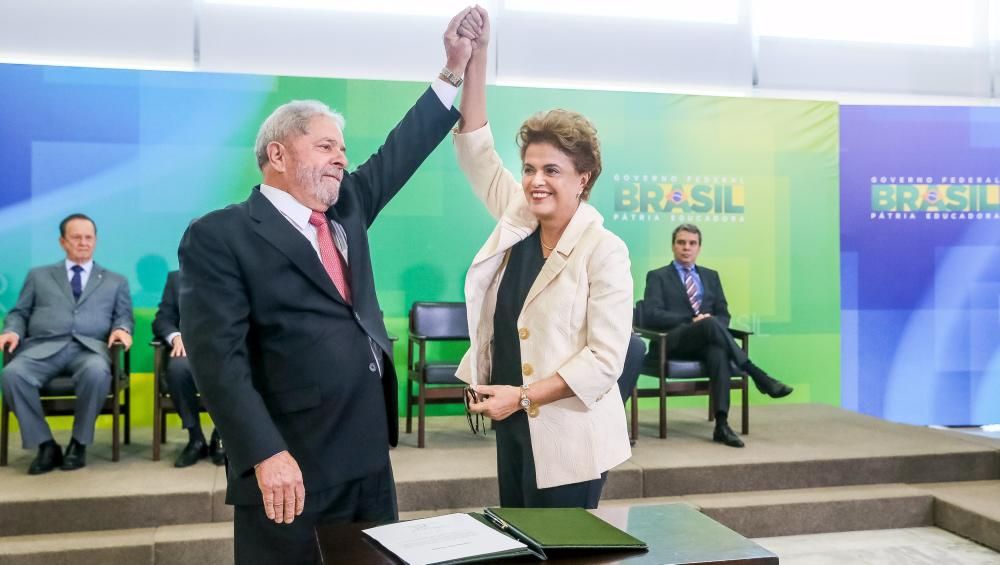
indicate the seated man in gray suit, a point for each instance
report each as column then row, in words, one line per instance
column 180, row 380
column 65, row 319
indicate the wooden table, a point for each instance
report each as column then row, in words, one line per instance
column 675, row 533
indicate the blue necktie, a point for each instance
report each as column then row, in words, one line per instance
column 76, row 283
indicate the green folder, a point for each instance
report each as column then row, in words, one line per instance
column 547, row 529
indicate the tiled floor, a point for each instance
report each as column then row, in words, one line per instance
column 911, row 546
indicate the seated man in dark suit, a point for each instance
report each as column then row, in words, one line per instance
column 687, row 301
column 67, row 316
column 180, row 381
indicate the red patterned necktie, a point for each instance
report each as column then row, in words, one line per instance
column 692, row 290
column 332, row 260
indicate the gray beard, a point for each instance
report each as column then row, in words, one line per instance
column 313, row 181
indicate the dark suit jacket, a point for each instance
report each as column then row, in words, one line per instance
column 168, row 315
column 281, row 361
column 47, row 317
column 666, row 305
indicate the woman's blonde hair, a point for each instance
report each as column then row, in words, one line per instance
column 569, row 132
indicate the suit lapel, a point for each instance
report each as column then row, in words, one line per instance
column 93, row 281
column 61, row 279
column 706, row 293
column 277, row 231
column 674, row 280
column 584, row 217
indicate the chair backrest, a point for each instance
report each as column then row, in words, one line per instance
column 439, row 320
column 633, row 363
column 637, row 315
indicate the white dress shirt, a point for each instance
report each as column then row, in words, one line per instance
column 88, row 268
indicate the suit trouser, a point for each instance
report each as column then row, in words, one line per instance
column 24, row 377
column 710, row 342
column 183, row 391
column 260, row 541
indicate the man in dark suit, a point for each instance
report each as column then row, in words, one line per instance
column 687, row 301
column 283, row 329
column 180, row 381
column 65, row 319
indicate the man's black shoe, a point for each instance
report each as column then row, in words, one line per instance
column 194, row 451
column 766, row 383
column 725, row 434
column 75, row 457
column 773, row 387
column 215, row 449
column 49, row 457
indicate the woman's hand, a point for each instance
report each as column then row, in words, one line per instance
column 497, row 402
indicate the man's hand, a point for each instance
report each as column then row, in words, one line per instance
column 457, row 48
column 280, row 483
column 9, row 341
column 498, row 401
column 122, row 336
column 476, row 27
column 700, row 317
column 178, row 347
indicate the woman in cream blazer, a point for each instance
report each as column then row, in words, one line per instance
column 549, row 299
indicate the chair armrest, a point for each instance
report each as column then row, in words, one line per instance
column 740, row 334
column 649, row 333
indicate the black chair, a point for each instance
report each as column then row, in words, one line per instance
column 163, row 404
column 435, row 380
column 682, row 377
column 58, row 398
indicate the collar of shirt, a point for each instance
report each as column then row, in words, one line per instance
column 86, row 267
column 296, row 212
column 681, row 268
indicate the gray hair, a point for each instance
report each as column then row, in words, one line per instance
column 288, row 120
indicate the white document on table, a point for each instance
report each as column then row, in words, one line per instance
column 441, row 538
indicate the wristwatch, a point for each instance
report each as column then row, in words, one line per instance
column 526, row 403
column 450, row 77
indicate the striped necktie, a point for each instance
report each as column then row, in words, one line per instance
column 692, row 290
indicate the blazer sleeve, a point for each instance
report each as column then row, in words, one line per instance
column 595, row 369
column 167, row 319
column 420, row 131
column 655, row 312
column 215, row 321
column 491, row 182
column 122, row 315
column 17, row 318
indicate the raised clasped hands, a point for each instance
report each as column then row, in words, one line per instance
column 496, row 402
column 701, row 317
column 280, row 481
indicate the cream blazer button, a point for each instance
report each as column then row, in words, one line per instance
column 527, row 369
column 523, row 332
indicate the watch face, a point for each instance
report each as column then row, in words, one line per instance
column 525, row 402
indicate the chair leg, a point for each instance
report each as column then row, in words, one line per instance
column 421, row 408
column 409, row 405
column 663, row 408
column 156, row 428
column 4, row 431
column 635, row 414
column 746, row 405
column 163, row 425
column 128, row 415
column 115, row 427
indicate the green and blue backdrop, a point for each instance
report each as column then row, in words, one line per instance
column 144, row 153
